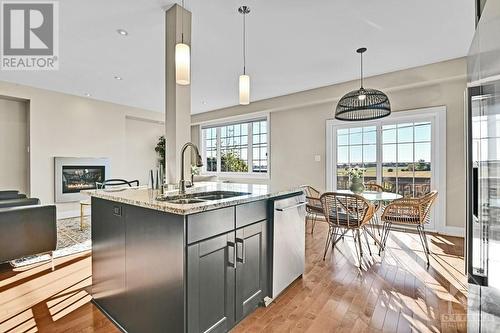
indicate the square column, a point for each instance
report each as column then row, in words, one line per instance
column 178, row 98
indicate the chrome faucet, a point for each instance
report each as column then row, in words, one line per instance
column 199, row 163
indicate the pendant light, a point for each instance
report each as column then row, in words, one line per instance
column 363, row 104
column 182, row 58
column 244, row 83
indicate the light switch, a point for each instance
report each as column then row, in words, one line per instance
column 317, row 158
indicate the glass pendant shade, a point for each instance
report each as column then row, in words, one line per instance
column 182, row 64
column 244, row 89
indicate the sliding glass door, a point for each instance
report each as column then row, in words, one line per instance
column 402, row 153
column 405, row 166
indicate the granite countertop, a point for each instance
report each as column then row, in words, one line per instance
column 143, row 197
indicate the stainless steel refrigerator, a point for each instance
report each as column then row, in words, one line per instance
column 483, row 173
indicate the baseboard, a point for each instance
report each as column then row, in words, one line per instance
column 452, row 231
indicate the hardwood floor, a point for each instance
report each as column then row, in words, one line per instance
column 394, row 292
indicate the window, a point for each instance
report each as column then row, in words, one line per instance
column 210, row 138
column 259, row 146
column 236, row 148
column 356, row 146
column 405, row 153
column 406, row 157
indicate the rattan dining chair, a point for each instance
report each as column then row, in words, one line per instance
column 102, row 185
column 409, row 212
column 314, row 209
column 116, row 182
column 345, row 212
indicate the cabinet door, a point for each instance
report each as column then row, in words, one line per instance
column 251, row 271
column 108, row 257
column 210, row 285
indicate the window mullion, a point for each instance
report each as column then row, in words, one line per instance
column 363, row 157
column 414, row 162
column 250, row 148
column 397, row 158
column 202, row 145
column 378, row 142
column 218, row 145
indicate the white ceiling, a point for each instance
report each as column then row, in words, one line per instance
column 293, row 45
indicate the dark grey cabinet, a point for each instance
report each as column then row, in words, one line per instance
column 210, row 285
column 227, row 278
column 251, row 268
column 159, row 272
column 108, row 257
column 138, row 266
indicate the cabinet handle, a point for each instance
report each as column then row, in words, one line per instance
column 233, row 245
column 243, row 256
column 291, row 207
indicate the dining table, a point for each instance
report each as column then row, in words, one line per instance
column 375, row 197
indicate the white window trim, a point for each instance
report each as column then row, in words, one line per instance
column 437, row 115
column 237, row 175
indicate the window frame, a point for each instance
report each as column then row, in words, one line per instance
column 227, row 174
column 435, row 115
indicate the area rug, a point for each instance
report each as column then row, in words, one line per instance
column 70, row 240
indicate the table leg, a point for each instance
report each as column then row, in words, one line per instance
column 81, row 217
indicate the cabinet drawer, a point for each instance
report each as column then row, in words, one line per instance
column 250, row 213
column 208, row 224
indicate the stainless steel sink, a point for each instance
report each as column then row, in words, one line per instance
column 219, row 195
column 180, row 199
column 200, row 197
column 184, row 201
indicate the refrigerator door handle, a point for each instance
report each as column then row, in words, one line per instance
column 477, row 223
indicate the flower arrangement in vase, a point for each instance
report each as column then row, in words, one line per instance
column 356, row 175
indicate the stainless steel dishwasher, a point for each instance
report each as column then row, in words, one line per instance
column 288, row 232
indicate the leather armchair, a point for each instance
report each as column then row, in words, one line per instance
column 27, row 230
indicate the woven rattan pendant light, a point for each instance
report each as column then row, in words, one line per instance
column 363, row 104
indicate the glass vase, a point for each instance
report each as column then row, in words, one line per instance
column 357, row 185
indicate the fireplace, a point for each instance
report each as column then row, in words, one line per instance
column 73, row 175
column 81, row 177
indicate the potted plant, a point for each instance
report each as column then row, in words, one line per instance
column 160, row 151
column 356, row 175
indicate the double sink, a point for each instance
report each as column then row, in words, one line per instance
column 191, row 198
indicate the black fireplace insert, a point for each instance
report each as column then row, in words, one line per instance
column 76, row 178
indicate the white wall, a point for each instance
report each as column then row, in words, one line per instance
column 298, row 125
column 73, row 126
column 13, row 145
column 141, row 138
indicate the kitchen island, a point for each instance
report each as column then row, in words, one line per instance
column 197, row 262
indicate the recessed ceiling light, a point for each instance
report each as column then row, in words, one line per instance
column 122, row 32
column 117, row 77
column 87, row 95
